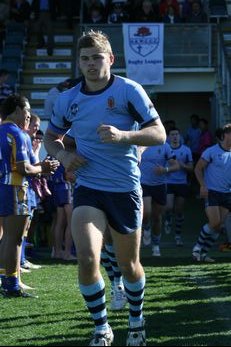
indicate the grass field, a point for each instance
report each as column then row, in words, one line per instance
column 186, row 303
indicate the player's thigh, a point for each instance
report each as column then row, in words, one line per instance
column 127, row 246
column 88, row 225
column 147, row 206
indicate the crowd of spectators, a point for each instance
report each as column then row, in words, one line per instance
column 108, row 11
column 167, row 11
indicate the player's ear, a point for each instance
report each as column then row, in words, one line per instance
column 112, row 59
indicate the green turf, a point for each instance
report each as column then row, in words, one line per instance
column 186, row 303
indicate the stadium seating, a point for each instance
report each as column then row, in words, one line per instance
column 218, row 9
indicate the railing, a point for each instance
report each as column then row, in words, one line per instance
column 224, row 81
column 185, row 45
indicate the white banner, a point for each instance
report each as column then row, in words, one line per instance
column 143, row 51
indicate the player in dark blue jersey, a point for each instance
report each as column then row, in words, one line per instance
column 15, row 166
column 104, row 111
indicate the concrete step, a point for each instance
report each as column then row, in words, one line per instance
column 38, row 79
column 34, row 95
column 39, row 64
column 42, row 52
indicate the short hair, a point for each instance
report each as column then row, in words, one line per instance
column 96, row 39
column 174, row 129
column 227, row 128
column 219, row 133
column 203, row 120
column 34, row 117
column 10, row 103
column 194, row 116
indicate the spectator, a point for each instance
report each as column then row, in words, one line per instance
column 146, row 12
column 197, row 15
column 170, row 16
column 192, row 137
column 44, row 16
column 164, row 4
column 4, row 11
column 20, row 11
column 88, row 5
column 186, row 9
column 118, row 14
column 96, row 15
column 206, row 138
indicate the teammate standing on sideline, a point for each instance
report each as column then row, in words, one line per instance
column 104, row 111
column 14, row 167
column 213, row 174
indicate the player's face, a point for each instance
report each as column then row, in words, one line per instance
column 94, row 64
column 174, row 137
column 227, row 139
column 25, row 116
column 34, row 127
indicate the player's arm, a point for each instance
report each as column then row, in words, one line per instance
column 150, row 135
column 199, row 173
column 187, row 166
column 45, row 167
column 55, row 147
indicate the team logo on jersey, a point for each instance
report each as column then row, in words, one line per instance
column 111, row 102
column 144, row 40
column 73, row 109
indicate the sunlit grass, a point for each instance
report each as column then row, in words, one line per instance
column 184, row 306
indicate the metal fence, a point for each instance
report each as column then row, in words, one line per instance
column 185, row 45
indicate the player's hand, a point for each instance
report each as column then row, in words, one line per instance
column 109, row 134
column 49, row 166
column 71, row 160
column 159, row 170
column 203, row 192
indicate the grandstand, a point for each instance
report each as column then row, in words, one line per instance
column 196, row 66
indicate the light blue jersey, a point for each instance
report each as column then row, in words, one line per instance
column 152, row 157
column 123, row 104
column 183, row 154
column 217, row 173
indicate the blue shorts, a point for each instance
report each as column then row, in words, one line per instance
column 218, row 199
column 123, row 210
column 181, row 190
column 158, row 193
column 62, row 194
column 13, row 201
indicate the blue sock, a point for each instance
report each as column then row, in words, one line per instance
column 135, row 295
column 94, row 295
column 10, row 283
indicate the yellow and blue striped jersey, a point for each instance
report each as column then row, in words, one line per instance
column 13, row 149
